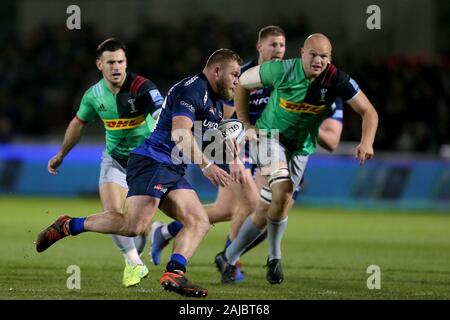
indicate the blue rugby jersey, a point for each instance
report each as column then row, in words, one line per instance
column 337, row 110
column 192, row 97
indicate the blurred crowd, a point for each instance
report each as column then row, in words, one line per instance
column 412, row 97
column 45, row 75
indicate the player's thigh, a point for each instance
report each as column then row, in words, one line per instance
column 185, row 206
column 112, row 196
column 113, row 186
column 282, row 192
column 140, row 210
column 246, row 194
column 260, row 180
column 224, row 207
column 271, row 156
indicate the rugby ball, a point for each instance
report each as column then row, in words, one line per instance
column 232, row 129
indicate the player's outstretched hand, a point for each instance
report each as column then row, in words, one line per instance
column 216, row 175
column 237, row 171
column 363, row 153
column 232, row 150
column 54, row 163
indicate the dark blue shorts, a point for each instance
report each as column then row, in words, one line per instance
column 146, row 176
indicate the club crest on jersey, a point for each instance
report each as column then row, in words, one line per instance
column 205, row 98
column 160, row 187
column 323, row 91
column 133, row 107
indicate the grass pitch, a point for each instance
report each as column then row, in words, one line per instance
column 326, row 253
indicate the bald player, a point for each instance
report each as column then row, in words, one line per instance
column 304, row 90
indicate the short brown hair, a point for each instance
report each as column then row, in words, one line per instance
column 223, row 55
column 270, row 31
column 110, row 44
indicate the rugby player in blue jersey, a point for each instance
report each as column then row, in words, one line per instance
column 155, row 172
column 236, row 201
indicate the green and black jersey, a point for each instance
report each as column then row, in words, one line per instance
column 297, row 106
column 127, row 115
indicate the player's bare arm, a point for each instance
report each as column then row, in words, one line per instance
column 241, row 97
column 362, row 105
column 330, row 134
column 184, row 139
column 71, row 138
column 250, row 79
column 228, row 111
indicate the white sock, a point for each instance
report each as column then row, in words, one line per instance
column 140, row 242
column 275, row 232
column 165, row 232
column 132, row 257
column 246, row 235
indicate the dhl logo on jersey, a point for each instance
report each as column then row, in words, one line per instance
column 301, row 107
column 122, row 124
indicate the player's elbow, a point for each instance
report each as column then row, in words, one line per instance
column 329, row 143
column 374, row 116
column 332, row 146
column 133, row 230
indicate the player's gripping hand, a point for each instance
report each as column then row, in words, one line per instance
column 232, row 150
column 251, row 133
column 237, row 171
column 216, row 175
column 54, row 163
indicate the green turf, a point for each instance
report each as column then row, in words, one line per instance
column 326, row 253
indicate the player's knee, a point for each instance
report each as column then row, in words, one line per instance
column 203, row 227
column 282, row 200
column 133, row 228
column 282, row 195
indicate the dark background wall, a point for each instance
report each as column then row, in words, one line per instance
column 404, row 67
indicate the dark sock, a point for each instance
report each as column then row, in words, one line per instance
column 174, row 227
column 177, row 262
column 257, row 241
column 227, row 242
column 76, row 226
